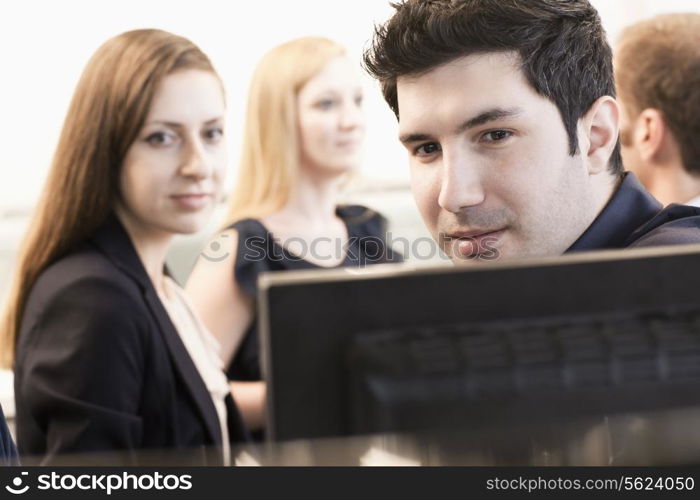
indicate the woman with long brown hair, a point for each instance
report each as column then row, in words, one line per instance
column 108, row 354
column 303, row 137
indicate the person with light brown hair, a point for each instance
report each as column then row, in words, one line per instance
column 303, row 135
column 108, row 354
column 657, row 67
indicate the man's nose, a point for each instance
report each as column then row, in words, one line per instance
column 461, row 184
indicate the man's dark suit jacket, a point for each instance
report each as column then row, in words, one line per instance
column 8, row 453
column 101, row 368
column 634, row 219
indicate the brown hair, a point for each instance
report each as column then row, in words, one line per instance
column 563, row 49
column 657, row 66
column 108, row 109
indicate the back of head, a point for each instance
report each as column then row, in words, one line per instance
column 108, row 109
column 561, row 43
column 657, row 66
column 270, row 156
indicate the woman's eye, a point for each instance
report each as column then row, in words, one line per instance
column 325, row 104
column 358, row 100
column 427, row 149
column 497, row 135
column 214, row 134
column 160, row 139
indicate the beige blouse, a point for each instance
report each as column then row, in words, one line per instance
column 203, row 348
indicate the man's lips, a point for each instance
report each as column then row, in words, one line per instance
column 473, row 242
column 470, row 234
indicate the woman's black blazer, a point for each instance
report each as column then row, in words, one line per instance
column 8, row 453
column 101, row 368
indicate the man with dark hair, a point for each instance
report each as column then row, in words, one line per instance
column 657, row 66
column 507, row 110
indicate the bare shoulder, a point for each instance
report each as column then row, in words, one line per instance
column 215, row 265
column 214, row 292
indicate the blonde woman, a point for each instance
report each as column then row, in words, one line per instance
column 110, row 357
column 304, row 133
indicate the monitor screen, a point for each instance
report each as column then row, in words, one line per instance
column 486, row 346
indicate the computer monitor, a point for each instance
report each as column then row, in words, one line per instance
column 391, row 349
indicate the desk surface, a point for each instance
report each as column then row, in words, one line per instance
column 662, row 438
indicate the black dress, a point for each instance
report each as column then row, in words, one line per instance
column 258, row 252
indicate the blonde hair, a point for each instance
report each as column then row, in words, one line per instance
column 270, row 155
column 107, row 111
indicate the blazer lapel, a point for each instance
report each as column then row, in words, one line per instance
column 114, row 242
column 185, row 365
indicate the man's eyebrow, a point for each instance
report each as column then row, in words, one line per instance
column 411, row 138
column 480, row 119
column 490, row 115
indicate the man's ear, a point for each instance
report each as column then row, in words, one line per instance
column 600, row 126
column 648, row 134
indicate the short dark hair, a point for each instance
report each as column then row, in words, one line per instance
column 562, row 45
column 658, row 66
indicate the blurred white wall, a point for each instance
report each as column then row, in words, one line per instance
column 47, row 43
